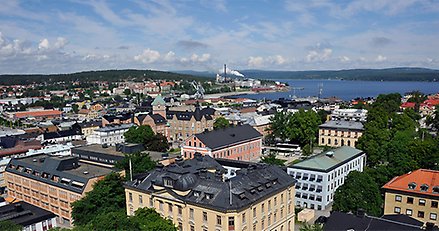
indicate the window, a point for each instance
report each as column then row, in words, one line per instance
column 151, row 202
column 243, row 218
column 205, row 216
column 275, row 201
column 433, row 216
column 434, row 204
column 168, row 182
column 422, row 202
column 140, row 200
column 192, row 228
column 218, row 220
column 254, row 212
column 409, row 200
column 170, row 208
column 398, row 198
column 397, row 210
column 231, row 223
column 130, row 196
column 161, row 205
column 421, row 214
column 191, row 213
column 262, row 207
column 180, row 210
column 409, row 212
column 269, row 205
column 262, row 224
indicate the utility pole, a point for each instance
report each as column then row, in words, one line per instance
column 131, row 170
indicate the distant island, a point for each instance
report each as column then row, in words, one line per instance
column 388, row 74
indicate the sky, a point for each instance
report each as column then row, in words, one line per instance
column 48, row 36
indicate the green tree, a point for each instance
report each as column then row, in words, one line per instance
column 75, row 108
column 127, row 92
column 147, row 219
column 108, row 195
column 433, row 120
column 139, row 135
column 303, row 127
column 141, row 162
column 314, row 227
column 10, row 226
column 358, row 191
column 221, row 122
column 271, row 159
column 158, row 143
column 114, row 220
column 277, row 125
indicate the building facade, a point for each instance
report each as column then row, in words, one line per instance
column 336, row 133
column 196, row 195
column 415, row 194
column 241, row 142
column 109, row 135
column 52, row 183
column 349, row 114
column 319, row 176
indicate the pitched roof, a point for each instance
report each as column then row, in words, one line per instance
column 326, row 161
column 228, row 136
column 158, row 101
column 346, row 221
column 417, row 179
column 203, row 178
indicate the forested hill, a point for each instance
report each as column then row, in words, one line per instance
column 107, row 75
column 390, row 74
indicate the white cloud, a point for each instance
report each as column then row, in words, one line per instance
column 344, row 59
column 60, row 43
column 380, row 58
column 277, row 59
column 148, row 56
column 257, row 61
column 318, row 55
column 44, row 44
column 202, row 58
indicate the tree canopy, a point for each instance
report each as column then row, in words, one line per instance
column 145, row 135
column 271, row 159
column 359, row 191
column 221, row 122
column 141, row 162
column 10, row 226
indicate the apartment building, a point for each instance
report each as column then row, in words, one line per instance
column 109, row 135
column 52, row 183
column 336, row 133
column 319, row 176
column 241, row 142
column 349, row 114
column 415, row 194
column 196, row 195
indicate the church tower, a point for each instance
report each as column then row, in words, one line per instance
column 159, row 106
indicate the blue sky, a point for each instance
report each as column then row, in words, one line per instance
column 48, row 36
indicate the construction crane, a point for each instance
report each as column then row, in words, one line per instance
column 199, row 90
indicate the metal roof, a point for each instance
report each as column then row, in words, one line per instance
column 228, row 136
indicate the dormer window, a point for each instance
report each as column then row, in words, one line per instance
column 209, row 196
column 412, row 185
column 242, row 196
column 168, row 182
column 196, row 193
column 424, row 187
column 436, row 189
column 253, row 190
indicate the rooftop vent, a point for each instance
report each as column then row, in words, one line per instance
column 330, row 154
column 34, row 160
column 85, row 173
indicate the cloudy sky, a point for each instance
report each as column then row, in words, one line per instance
column 38, row 36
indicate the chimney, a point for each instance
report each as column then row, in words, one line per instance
column 18, row 207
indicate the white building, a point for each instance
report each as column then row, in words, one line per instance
column 53, row 150
column 109, row 135
column 319, row 176
column 349, row 114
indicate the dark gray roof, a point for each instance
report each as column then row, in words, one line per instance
column 198, row 114
column 123, row 116
column 24, row 214
column 90, row 124
column 158, row 119
column 203, row 178
column 343, row 125
column 224, row 137
column 59, row 134
column 43, row 167
column 345, row 221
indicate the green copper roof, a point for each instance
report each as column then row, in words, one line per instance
column 158, row 101
column 329, row 160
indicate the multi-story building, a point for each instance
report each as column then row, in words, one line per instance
column 87, row 128
column 196, row 195
column 336, row 133
column 109, row 135
column 52, row 183
column 415, row 194
column 30, row 217
column 35, row 115
column 241, row 142
column 124, row 118
column 349, row 114
column 105, row 155
column 319, row 176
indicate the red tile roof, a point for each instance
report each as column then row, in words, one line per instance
column 408, row 105
column 24, row 114
column 419, row 177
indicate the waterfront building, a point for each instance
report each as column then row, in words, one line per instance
column 241, row 142
column 415, row 194
column 319, row 176
column 198, row 194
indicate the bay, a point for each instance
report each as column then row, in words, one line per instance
column 346, row 90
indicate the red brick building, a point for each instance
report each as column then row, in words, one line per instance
column 238, row 143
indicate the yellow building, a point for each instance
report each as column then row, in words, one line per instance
column 336, row 133
column 216, row 194
column 415, row 194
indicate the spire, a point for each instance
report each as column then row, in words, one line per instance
column 158, row 101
